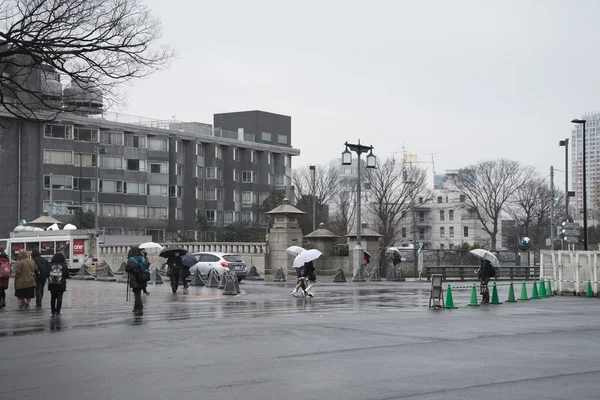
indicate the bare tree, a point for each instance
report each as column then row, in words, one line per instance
column 343, row 211
column 327, row 182
column 487, row 187
column 393, row 187
column 94, row 46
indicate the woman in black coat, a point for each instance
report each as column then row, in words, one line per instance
column 57, row 289
column 485, row 272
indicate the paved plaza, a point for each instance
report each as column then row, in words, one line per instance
column 352, row 341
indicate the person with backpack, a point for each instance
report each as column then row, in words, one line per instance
column 58, row 273
column 484, row 273
column 174, row 269
column 5, row 271
column 25, row 279
column 139, row 274
column 43, row 271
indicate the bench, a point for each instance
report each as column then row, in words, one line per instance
column 467, row 272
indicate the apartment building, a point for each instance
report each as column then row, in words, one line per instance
column 592, row 152
column 153, row 176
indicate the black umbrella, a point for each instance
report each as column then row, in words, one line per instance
column 188, row 261
column 170, row 251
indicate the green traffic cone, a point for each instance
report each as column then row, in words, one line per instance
column 473, row 301
column 549, row 291
column 543, row 289
column 449, row 299
column 534, row 292
column 589, row 292
column 511, row 294
column 495, row 295
column 524, row 295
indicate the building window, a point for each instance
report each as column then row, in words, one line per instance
column 421, row 233
column 158, row 144
column 213, row 194
column 283, row 139
column 442, row 215
column 58, row 157
column 218, row 151
column 246, row 199
column 451, row 232
column 84, row 184
column 134, row 188
column 247, row 216
column 248, row 176
column 286, row 160
column 211, row 215
column 113, row 138
column 262, row 197
column 60, row 182
column 111, row 186
column 237, row 175
column 442, row 232
column 280, row 181
column 158, row 213
column 159, row 167
column 157, row 190
column 109, row 162
column 66, row 207
column 86, row 135
column 269, row 158
column 451, row 246
column 442, row 246
column 179, row 170
column 175, row 191
column 135, row 141
column 111, row 210
column 136, row 165
column 199, row 171
column 236, row 154
column 265, row 137
column 228, row 217
column 451, row 215
column 466, row 231
column 214, row 173
column 420, row 200
column 179, row 213
column 403, row 232
column 403, row 214
column 134, row 212
column 237, row 196
column 199, row 192
column 199, row 150
column 439, row 199
column 252, row 156
column 462, row 198
column 86, row 160
column 58, row 131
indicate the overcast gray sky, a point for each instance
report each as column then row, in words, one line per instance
column 467, row 80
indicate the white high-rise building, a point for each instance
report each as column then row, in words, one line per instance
column 592, row 139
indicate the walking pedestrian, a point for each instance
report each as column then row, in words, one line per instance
column 139, row 274
column 312, row 277
column 57, row 282
column 25, row 279
column 301, row 274
column 484, row 273
column 42, row 277
column 174, row 268
column 5, row 271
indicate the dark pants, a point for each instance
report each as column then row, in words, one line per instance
column 174, row 280
column 137, row 295
column 56, row 300
column 39, row 292
column 185, row 272
column 485, row 292
column 2, row 293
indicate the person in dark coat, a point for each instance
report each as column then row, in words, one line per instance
column 57, row 289
column 174, row 269
column 3, row 281
column 43, row 271
column 484, row 273
column 135, row 260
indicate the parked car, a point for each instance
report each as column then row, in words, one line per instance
column 218, row 262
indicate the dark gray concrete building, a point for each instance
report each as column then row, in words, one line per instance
column 154, row 176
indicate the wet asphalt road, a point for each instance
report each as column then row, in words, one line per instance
column 352, row 341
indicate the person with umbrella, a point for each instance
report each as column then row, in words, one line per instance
column 305, row 269
column 484, row 273
column 187, row 262
column 174, row 265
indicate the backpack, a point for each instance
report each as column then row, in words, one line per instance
column 141, row 272
column 56, row 275
column 5, row 270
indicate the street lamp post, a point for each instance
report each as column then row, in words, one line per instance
column 314, row 212
column 565, row 143
column 358, row 252
column 585, row 222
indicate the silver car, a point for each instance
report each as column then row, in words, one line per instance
column 218, row 262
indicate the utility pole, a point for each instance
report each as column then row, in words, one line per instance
column 552, row 208
column 51, row 199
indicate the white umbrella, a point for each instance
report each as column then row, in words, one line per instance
column 151, row 247
column 295, row 250
column 486, row 255
column 306, row 256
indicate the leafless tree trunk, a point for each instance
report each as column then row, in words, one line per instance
column 393, row 187
column 327, row 182
column 94, row 46
column 344, row 207
column 487, row 187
